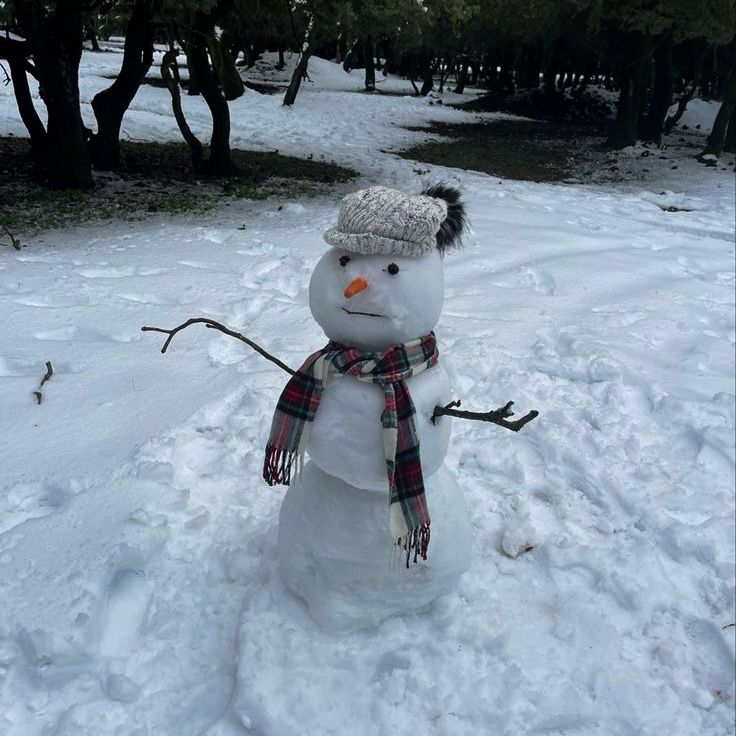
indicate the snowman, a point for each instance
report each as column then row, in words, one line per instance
column 373, row 524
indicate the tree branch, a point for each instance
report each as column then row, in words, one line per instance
column 497, row 416
column 211, row 324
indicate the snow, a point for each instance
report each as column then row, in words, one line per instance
column 698, row 114
column 138, row 543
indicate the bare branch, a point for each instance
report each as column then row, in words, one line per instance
column 497, row 416
column 39, row 397
column 211, row 324
column 7, row 79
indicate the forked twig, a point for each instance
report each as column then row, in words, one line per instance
column 497, row 416
column 211, row 324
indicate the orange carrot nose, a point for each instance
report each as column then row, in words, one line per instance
column 355, row 287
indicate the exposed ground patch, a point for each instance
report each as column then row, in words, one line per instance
column 154, row 177
column 511, row 149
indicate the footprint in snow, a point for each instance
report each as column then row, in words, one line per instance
column 85, row 334
column 125, row 606
column 110, row 272
column 540, row 280
column 27, row 501
column 48, row 302
column 198, row 264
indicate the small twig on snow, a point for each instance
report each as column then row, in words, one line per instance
column 497, row 416
column 48, row 374
column 211, row 324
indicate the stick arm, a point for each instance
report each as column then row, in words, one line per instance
column 496, row 416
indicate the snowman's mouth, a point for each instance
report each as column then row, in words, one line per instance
column 365, row 314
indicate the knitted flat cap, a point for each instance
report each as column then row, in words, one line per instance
column 382, row 220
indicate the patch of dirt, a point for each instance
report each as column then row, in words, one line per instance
column 589, row 109
column 153, row 178
column 511, row 149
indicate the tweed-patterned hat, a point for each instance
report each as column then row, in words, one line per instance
column 383, row 220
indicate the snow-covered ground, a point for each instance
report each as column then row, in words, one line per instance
column 138, row 584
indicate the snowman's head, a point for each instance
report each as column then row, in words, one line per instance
column 382, row 283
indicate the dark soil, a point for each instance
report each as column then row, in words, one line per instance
column 512, row 149
column 584, row 110
column 154, row 177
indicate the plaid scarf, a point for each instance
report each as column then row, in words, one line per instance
column 298, row 405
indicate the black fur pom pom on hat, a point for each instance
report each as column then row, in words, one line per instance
column 455, row 224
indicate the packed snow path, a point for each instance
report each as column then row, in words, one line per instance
column 138, row 583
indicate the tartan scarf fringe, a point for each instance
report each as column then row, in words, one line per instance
column 278, row 465
column 416, row 542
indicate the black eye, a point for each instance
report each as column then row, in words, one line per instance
column 393, row 269
column 344, row 260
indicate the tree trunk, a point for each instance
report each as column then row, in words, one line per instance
column 444, row 71
column 632, row 80
column 717, row 137
column 170, row 75
column 427, row 81
column 661, row 91
column 220, row 159
column 301, row 68
column 55, row 37
column 370, row 65
column 16, row 54
column 689, row 93
column 110, row 104
column 462, row 77
column 730, row 142
column 92, row 35
column 223, row 65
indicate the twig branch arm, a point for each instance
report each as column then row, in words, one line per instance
column 212, row 325
column 497, row 416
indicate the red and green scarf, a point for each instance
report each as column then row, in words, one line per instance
column 298, row 405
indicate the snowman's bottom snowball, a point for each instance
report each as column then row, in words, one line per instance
column 335, row 549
